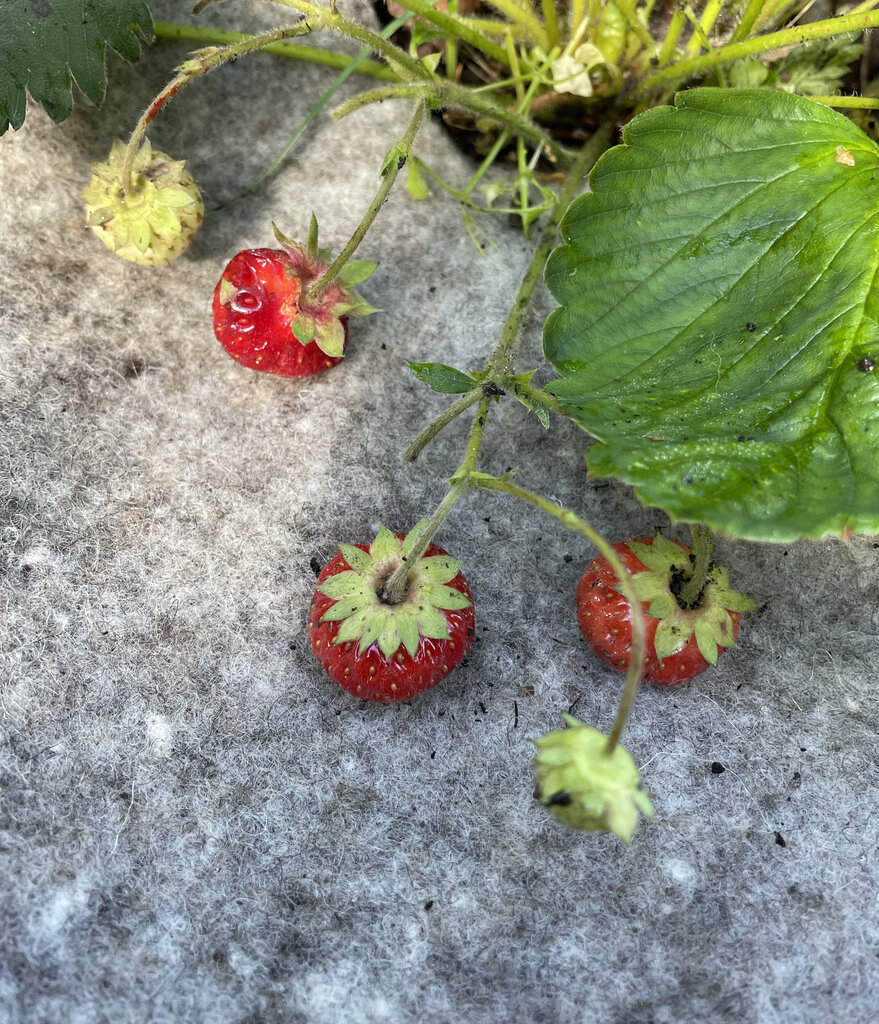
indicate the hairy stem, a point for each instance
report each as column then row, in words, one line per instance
column 396, row 57
column 500, row 363
column 573, row 522
column 667, row 77
column 703, row 548
column 440, row 423
column 392, row 169
column 415, row 546
column 311, row 54
column 201, row 64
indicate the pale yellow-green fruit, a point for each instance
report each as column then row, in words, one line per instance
column 155, row 220
column 584, row 786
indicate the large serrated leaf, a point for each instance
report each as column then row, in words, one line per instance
column 719, row 322
column 43, row 43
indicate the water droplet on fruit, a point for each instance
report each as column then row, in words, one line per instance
column 246, row 300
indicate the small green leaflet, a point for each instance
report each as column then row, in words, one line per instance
column 45, row 43
column 439, row 377
column 719, row 322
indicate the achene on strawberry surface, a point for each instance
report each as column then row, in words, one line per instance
column 380, row 651
column 681, row 642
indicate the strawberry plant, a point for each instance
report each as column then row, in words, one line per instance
column 717, row 331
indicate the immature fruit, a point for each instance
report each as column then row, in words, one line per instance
column 681, row 642
column 584, row 786
column 389, row 652
column 155, row 220
column 266, row 318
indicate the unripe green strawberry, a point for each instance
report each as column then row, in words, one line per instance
column 154, row 221
column 586, row 787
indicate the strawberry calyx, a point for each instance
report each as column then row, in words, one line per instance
column 318, row 317
column 367, row 617
column 708, row 616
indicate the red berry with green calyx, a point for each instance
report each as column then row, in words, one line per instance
column 381, row 650
column 267, row 319
column 682, row 640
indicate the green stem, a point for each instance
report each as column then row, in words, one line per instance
column 198, row 65
column 672, row 35
column 440, row 423
column 848, row 102
column 417, row 544
column 295, row 51
column 526, row 19
column 396, row 57
column 636, row 25
column 401, row 91
column 456, row 28
column 536, row 395
column 748, row 18
column 705, row 24
column 391, row 170
column 573, row 522
column 761, row 44
column 702, row 550
column 500, row 363
column 551, row 22
column 453, row 94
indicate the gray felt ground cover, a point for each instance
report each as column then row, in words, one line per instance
column 194, row 824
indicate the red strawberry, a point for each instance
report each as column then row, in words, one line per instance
column 265, row 318
column 389, row 652
column 681, row 641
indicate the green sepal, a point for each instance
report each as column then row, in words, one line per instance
column 353, row 305
column 409, row 634
column 386, row 545
column 303, row 328
column 446, row 598
column 343, row 584
column 416, row 183
column 357, row 558
column 330, row 338
column 343, row 609
column 397, row 156
column 355, row 626
column 355, row 272
column 311, row 245
column 439, row 568
column 442, row 378
column 389, row 638
column 432, row 623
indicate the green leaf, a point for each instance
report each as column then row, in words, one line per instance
column 439, row 377
column 719, row 322
column 45, row 43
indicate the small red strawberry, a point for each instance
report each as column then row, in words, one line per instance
column 681, row 641
column 265, row 318
column 389, row 652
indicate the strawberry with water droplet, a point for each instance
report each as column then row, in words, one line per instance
column 269, row 317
